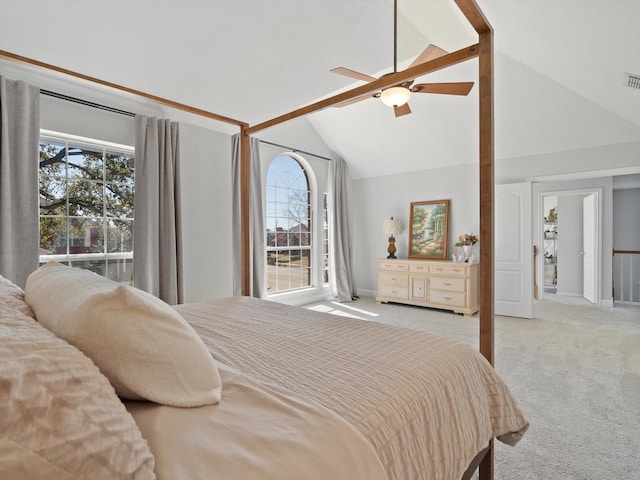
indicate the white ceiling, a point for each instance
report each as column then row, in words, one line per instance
column 559, row 74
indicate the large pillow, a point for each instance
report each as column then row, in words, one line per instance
column 141, row 344
column 60, row 418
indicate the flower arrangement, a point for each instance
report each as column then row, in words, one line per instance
column 467, row 239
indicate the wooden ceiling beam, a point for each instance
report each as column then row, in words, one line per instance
column 474, row 15
column 162, row 101
column 372, row 87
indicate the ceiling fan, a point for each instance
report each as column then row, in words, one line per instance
column 397, row 96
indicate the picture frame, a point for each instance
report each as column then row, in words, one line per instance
column 429, row 230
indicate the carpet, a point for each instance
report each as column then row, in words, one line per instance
column 574, row 368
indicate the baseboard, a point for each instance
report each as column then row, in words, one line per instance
column 367, row 293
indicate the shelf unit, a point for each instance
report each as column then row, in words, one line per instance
column 550, row 255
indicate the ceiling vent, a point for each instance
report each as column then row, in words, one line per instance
column 632, row 80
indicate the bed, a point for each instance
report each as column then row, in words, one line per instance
column 297, row 394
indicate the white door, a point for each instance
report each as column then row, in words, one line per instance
column 589, row 238
column 513, row 251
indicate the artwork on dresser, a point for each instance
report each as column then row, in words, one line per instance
column 429, row 236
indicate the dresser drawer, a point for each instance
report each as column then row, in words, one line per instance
column 418, row 268
column 453, row 299
column 397, row 279
column 452, row 284
column 448, row 270
column 391, row 291
column 394, row 266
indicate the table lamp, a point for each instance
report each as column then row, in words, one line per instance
column 392, row 227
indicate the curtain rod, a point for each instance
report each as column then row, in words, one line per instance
column 87, row 103
column 295, row 150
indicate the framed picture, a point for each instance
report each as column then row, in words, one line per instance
column 429, row 224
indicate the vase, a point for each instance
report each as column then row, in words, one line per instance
column 466, row 251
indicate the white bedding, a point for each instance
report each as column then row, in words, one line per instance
column 425, row 404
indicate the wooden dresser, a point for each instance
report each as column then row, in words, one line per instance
column 430, row 283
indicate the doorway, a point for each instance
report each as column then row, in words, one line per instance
column 570, row 236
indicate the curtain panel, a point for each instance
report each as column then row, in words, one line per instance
column 157, row 231
column 19, row 198
column 256, row 220
column 341, row 271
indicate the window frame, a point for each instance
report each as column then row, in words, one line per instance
column 106, row 147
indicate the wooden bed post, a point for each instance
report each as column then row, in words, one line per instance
column 486, row 164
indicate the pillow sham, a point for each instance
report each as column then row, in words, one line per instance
column 142, row 345
column 59, row 416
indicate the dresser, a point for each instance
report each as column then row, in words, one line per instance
column 430, row 283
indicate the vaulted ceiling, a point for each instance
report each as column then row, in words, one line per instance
column 559, row 67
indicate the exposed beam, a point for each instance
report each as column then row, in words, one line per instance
column 384, row 82
column 474, row 15
column 162, row 101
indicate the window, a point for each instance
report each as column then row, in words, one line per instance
column 86, row 204
column 325, row 241
column 288, row 225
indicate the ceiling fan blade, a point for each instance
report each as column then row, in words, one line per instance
column 427, row 54
column 353, row 74
column 453, row 88
column 402, row 110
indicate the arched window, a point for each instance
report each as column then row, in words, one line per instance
column 288, row 225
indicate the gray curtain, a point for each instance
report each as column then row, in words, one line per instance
column 256, row 220
column 342, row 281
column 157, row 229
column 19, row 140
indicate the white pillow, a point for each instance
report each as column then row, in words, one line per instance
column 141, row 344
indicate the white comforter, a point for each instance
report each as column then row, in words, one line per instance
column 426, row 405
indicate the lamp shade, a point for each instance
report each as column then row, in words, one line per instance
column 392, row 227
column 395, row 96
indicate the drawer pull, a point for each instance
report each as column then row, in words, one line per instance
column 456, row 270
column 394, row 278
column 394, row 291
column 439, row 269
column 447, row 298
column 448, row 284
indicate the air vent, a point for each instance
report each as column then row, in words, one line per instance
column 632, row 80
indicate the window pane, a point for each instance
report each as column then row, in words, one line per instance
column 53, row 194
column 85, row 162
column 86, row 235
column 119, row 168
column 120, row 271
column 119, row 200
column 53, row 160
column 119, row 236
column 86, row 198
column 97, row 266
column 53, row 236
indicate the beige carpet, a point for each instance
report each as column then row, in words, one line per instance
column 575, row 370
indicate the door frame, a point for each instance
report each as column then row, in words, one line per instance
column 538, row 227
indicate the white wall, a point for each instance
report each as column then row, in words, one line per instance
column 205, row 158
column 626, row 219
column 379, row 198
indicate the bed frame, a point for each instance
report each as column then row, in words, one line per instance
column 484, row 51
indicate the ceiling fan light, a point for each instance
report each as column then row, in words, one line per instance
column 395, row 96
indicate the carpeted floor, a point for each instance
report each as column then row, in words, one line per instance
column 575, row 370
